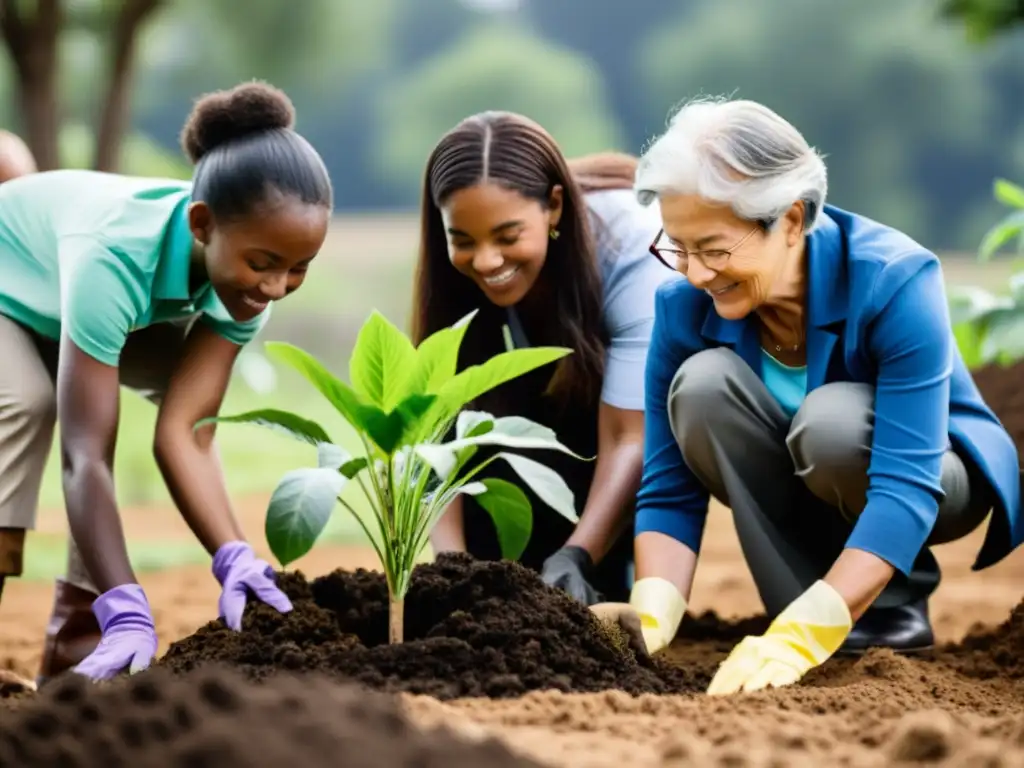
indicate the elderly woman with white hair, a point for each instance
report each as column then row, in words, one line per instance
column 804, row 374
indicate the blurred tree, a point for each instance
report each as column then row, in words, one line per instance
column 328, row 55
column 610, row 33
column 31, row 31
column 984, row 18
column 128, row 16
column 423, row 29
column 897, row 101
column 495, row 66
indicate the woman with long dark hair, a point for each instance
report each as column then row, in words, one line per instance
column 549, row 253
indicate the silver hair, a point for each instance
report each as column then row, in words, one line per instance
column 735, row 152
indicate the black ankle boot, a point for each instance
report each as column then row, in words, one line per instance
column 905, row 629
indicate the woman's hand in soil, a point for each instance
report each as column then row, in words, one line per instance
column 661, row 607
column 652, row 616
column 625, row 617
column 240, row 572
column 803, row 636
column 129, row 635
column 567, row 569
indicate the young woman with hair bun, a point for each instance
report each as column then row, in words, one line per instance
column 154, row 284
column 550, row 252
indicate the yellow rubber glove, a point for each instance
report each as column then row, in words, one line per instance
column 661, row 608
column 803, row 636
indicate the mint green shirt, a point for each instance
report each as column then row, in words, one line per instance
column 787, row 384
column 101, row 255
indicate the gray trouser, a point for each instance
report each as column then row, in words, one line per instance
column 796, row 486
column 28, row 413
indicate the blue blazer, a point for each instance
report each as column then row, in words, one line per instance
column 876, row 314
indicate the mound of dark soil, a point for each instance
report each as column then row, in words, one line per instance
column 214, row 718
column 472, row 628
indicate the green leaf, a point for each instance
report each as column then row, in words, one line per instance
column 1009, row 193
column 381, row 362
column 510, row 510
column 999, row 235
column 968, row 338
column 968, row 303
column 408, row 418
column 439, row 458
column 473, row 423
column 352, row 468
column 1017, row 288
column 338, row 393
column 473, row 488
column 437, row 358
column 478, row 379
column 495, row 437
column 299, row 510
column 384, row 429
column 517, row 426
column 1004, row 337
column 546, row 483
column 301, row 429
column 331, row 456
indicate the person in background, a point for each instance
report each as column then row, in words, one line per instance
column 556, row 252
column 806, row 375
column 155, row 284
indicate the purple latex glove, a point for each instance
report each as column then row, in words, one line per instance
column 129, row 635
column 239, row 571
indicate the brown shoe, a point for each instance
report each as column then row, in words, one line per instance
column 72, row 633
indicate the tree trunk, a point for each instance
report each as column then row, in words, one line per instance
column 32, row 43
column 115, row 112
column 396, row 619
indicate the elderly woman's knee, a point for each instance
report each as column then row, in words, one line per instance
column 701, row 381
column 832, row 429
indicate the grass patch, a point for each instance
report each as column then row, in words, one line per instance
column 46, row 555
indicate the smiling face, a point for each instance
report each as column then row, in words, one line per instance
column 749, row 275
column 499, row 238
column 263, row 257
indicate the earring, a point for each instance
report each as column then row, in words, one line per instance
column 554, row 233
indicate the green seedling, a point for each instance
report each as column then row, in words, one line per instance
column 989, row 327
column 403, row 403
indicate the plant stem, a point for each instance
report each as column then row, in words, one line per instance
column 366, row 530
column 396, row 618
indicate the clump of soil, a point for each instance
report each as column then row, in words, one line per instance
column 988, row 653
column 472, row 628
column 215, row 718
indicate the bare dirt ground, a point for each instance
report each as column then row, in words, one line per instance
column 877, row 711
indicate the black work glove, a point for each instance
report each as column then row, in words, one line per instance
column 568, row 569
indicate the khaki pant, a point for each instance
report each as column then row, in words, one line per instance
column 28, row 410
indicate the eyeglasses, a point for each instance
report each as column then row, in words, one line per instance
column 714, row 260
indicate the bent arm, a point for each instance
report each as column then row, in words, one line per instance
column 188, row 458
column 672, row 503
column 912, row 344
column 616, row 479
column 99, row 305
column 88, row 402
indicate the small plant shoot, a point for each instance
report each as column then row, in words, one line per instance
column 403, row 402
column 989, row 326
